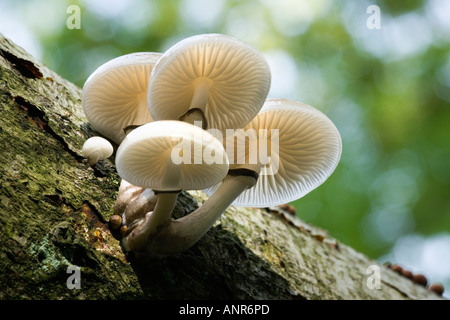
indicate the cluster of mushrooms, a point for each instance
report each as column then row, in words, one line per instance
column 197, row 118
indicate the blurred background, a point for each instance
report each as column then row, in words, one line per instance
column 384, row 82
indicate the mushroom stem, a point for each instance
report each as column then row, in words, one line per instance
column 196, row 112
column 138, row 239
column 94, row 157
column 183, row 233
column 171, row 175
column 136, row 210
column 127, row 193
column 200, row 96
column 163, row 210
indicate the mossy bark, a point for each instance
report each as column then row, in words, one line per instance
column 54, row 210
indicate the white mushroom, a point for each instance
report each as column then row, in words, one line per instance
column 211, row 78
column 168, row 156
column 115, row 95
column 307, row 148
column 306, row 151
column 183, row 233
column 97, row 148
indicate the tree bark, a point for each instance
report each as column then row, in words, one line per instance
column 54, row 210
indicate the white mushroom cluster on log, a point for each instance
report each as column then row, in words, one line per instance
column 197, row 117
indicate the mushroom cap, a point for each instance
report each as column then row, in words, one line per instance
column 150, row 157
column 97, row 148
column 308, row 150
column 98, row 144
column 238, row 78
column 115, row 95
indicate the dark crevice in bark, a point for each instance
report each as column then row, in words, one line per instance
column 25, row 67
column 40, row 119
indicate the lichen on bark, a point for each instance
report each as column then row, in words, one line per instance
column 54, row 210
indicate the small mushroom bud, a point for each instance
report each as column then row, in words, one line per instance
column 397, row 268
column 97, row 148
column 407, row 274
column 291, row 210
column 437, row 288
column 420, row 279
column 288, row 208
column 123, row 231
column 115, row 222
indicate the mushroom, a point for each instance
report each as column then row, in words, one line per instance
column 166, row 156
column 216, row 79
column 292, row 147
column 130, row 196
column 183, row 233
column 115, row 95
column 305, row 152
column 97, row 148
